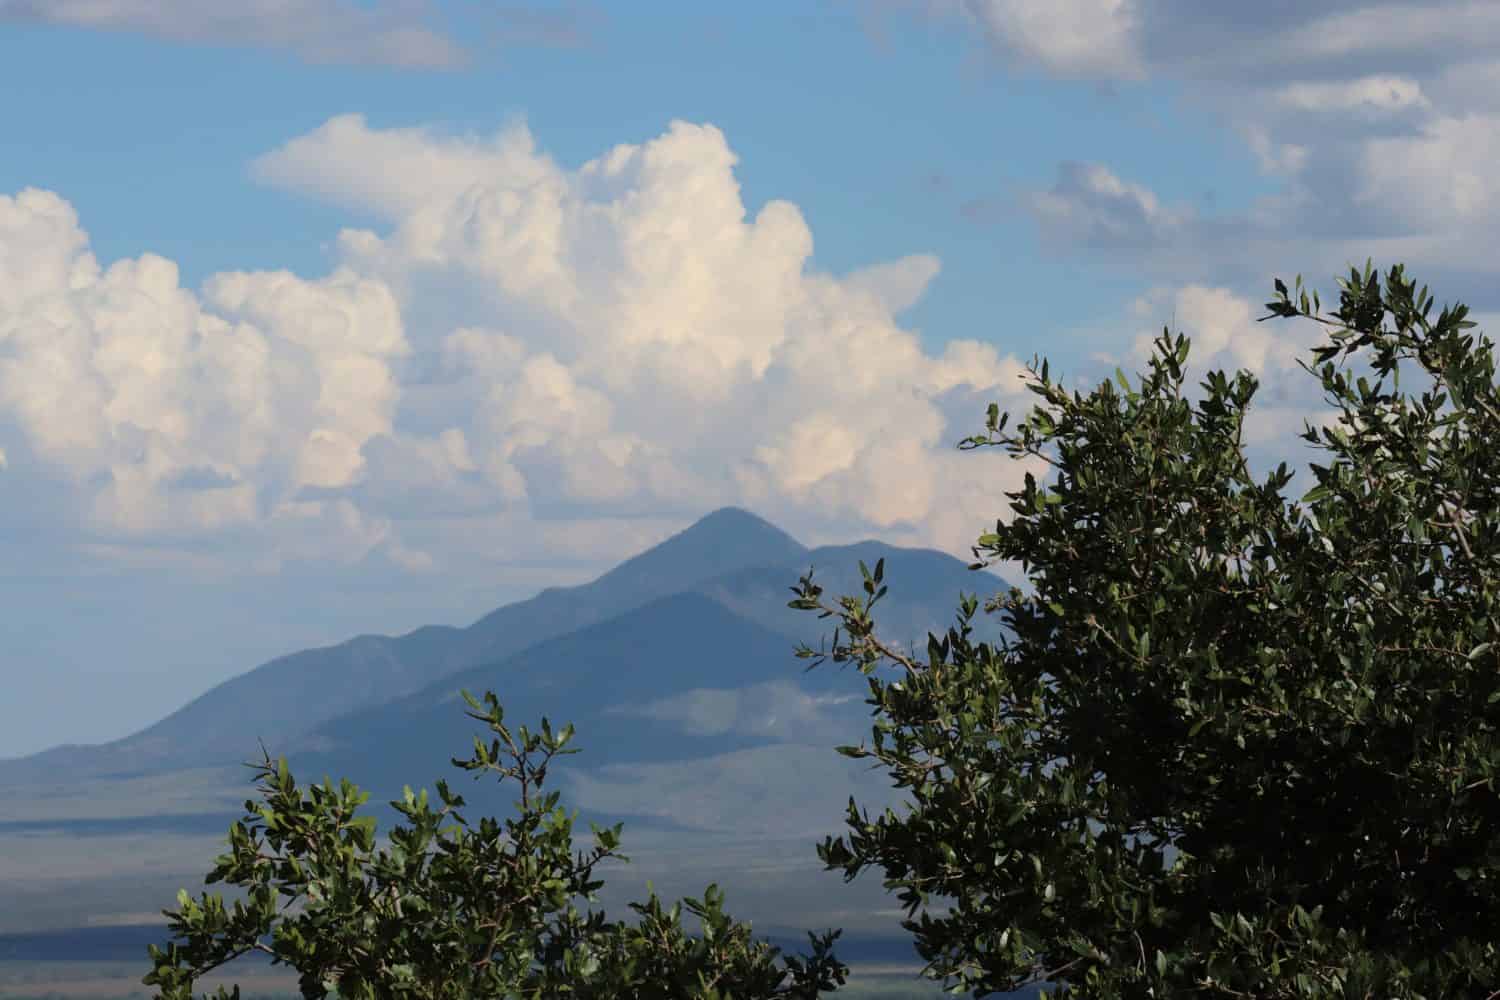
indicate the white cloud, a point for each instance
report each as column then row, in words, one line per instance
column 614, row 340
column 1379, row 119
column 900, row 284
column 319, row 31
column 177, row 415
column 416, row 167
column 1441, row 179
column 1067, row 37
column 1226, row 334
column 634, row 333
column 347, row 328
column 1375, row 95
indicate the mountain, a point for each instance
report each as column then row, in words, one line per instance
column 730, row 632
column 682, row 653
column 923, row 587
column 724, row 541
column 694, row 698
column 609, row 679
column 292, row 694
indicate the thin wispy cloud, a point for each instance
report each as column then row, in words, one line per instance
column 396, row 33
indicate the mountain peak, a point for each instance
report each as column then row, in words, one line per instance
column 722, row 541
column 736, row 519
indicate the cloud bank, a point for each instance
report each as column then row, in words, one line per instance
column 1378, row 123
column 524, row 342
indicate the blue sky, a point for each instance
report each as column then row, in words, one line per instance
column 320, row 318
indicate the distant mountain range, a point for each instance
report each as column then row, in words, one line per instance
column 705, row 609
column 696, row 722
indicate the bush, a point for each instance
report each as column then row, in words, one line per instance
column 487, row 912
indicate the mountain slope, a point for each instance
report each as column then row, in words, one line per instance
column 728, row 633
column 703, row 672
column 923, row 587
column 696, row 680
column 292, row 694
column 724, row 541
column 674, row 644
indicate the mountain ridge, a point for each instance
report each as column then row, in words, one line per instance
column 399, row 665
column 731, row 556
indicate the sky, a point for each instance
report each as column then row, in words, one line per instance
column 322, row 318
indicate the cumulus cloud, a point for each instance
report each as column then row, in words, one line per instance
column 622, row 339
column 319, row 31
column 179, row 415
column 900, row 284
column 633, row 336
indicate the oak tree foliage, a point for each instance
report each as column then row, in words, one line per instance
column 1237, row 746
